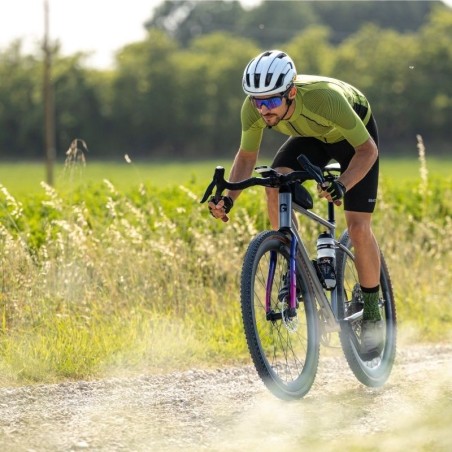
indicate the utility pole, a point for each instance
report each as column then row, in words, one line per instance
column 49, row 108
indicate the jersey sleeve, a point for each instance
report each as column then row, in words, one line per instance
column 252, row 127
column 331, row 105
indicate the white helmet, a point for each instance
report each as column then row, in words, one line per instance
column 271, row 72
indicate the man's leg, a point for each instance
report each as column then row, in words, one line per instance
column 367, row 254
column 367, row 262
column 272, row 206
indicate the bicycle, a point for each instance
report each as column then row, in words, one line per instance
column 284, row 333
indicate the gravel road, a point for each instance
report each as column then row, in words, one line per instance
column 229, row 409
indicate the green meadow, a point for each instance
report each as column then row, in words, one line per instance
column 24, row 178
column 118, row 268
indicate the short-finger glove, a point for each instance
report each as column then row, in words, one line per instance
column 336, row 190
column 227, row 200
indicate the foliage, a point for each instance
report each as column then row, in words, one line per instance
column 279, row 21
column 187, row 20
column 97, row 281
column 20, row 100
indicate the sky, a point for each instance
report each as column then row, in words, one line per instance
column 100, row 27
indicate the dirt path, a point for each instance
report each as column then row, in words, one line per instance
column 229, row 410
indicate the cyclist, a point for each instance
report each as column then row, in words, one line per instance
column 325, row 119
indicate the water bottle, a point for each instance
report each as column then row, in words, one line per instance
column 326, row 256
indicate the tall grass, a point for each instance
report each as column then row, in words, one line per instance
column 97, row 280
column 415, row 230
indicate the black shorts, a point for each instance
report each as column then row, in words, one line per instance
column 363, row 196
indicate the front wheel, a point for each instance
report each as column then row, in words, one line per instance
column 284, row 347
column 375, row 372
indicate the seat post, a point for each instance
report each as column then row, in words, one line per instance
column 331, row 213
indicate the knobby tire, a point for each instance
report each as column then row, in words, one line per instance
column 375, row 372
column 286, row 361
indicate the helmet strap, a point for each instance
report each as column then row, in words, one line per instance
column 289, row 102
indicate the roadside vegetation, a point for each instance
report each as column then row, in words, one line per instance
column 100, row 281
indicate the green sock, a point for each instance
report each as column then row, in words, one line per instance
column 371, row 308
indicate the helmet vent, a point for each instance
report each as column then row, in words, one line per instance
column 280, row 80
column 257, row 79
column 268, row 78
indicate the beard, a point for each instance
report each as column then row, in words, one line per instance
column 271, row 119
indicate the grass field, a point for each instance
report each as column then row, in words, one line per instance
column 99, row 278
column 24, row 178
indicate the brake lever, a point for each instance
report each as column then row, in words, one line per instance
column 217, row 181
column 314, row 171
column 208, row 192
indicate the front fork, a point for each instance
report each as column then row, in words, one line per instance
column 285, row 224
column 292, row 277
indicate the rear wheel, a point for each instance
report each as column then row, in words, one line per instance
column 373, row 372
column 284, row 348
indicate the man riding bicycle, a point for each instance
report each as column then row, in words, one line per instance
column 325, row 119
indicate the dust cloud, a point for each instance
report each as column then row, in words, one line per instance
column 229, row 409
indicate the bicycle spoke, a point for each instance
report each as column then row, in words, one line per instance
column 371, row 372
column 284, row 350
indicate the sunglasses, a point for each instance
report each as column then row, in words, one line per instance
column 270, row 103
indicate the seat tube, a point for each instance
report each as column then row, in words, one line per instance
column 331, row 213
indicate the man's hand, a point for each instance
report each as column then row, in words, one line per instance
column 332, row 191
column 221, row 208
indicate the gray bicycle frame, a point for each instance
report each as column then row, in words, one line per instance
column 286, row 223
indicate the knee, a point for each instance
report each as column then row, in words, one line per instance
column 360, row 232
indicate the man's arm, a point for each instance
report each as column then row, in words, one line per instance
column 242, row 168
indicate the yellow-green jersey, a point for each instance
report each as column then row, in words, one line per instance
column 325, row 108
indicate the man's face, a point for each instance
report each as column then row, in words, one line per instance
column 272, row 108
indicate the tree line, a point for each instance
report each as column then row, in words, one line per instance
column 179, row 95
column 278, row 21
